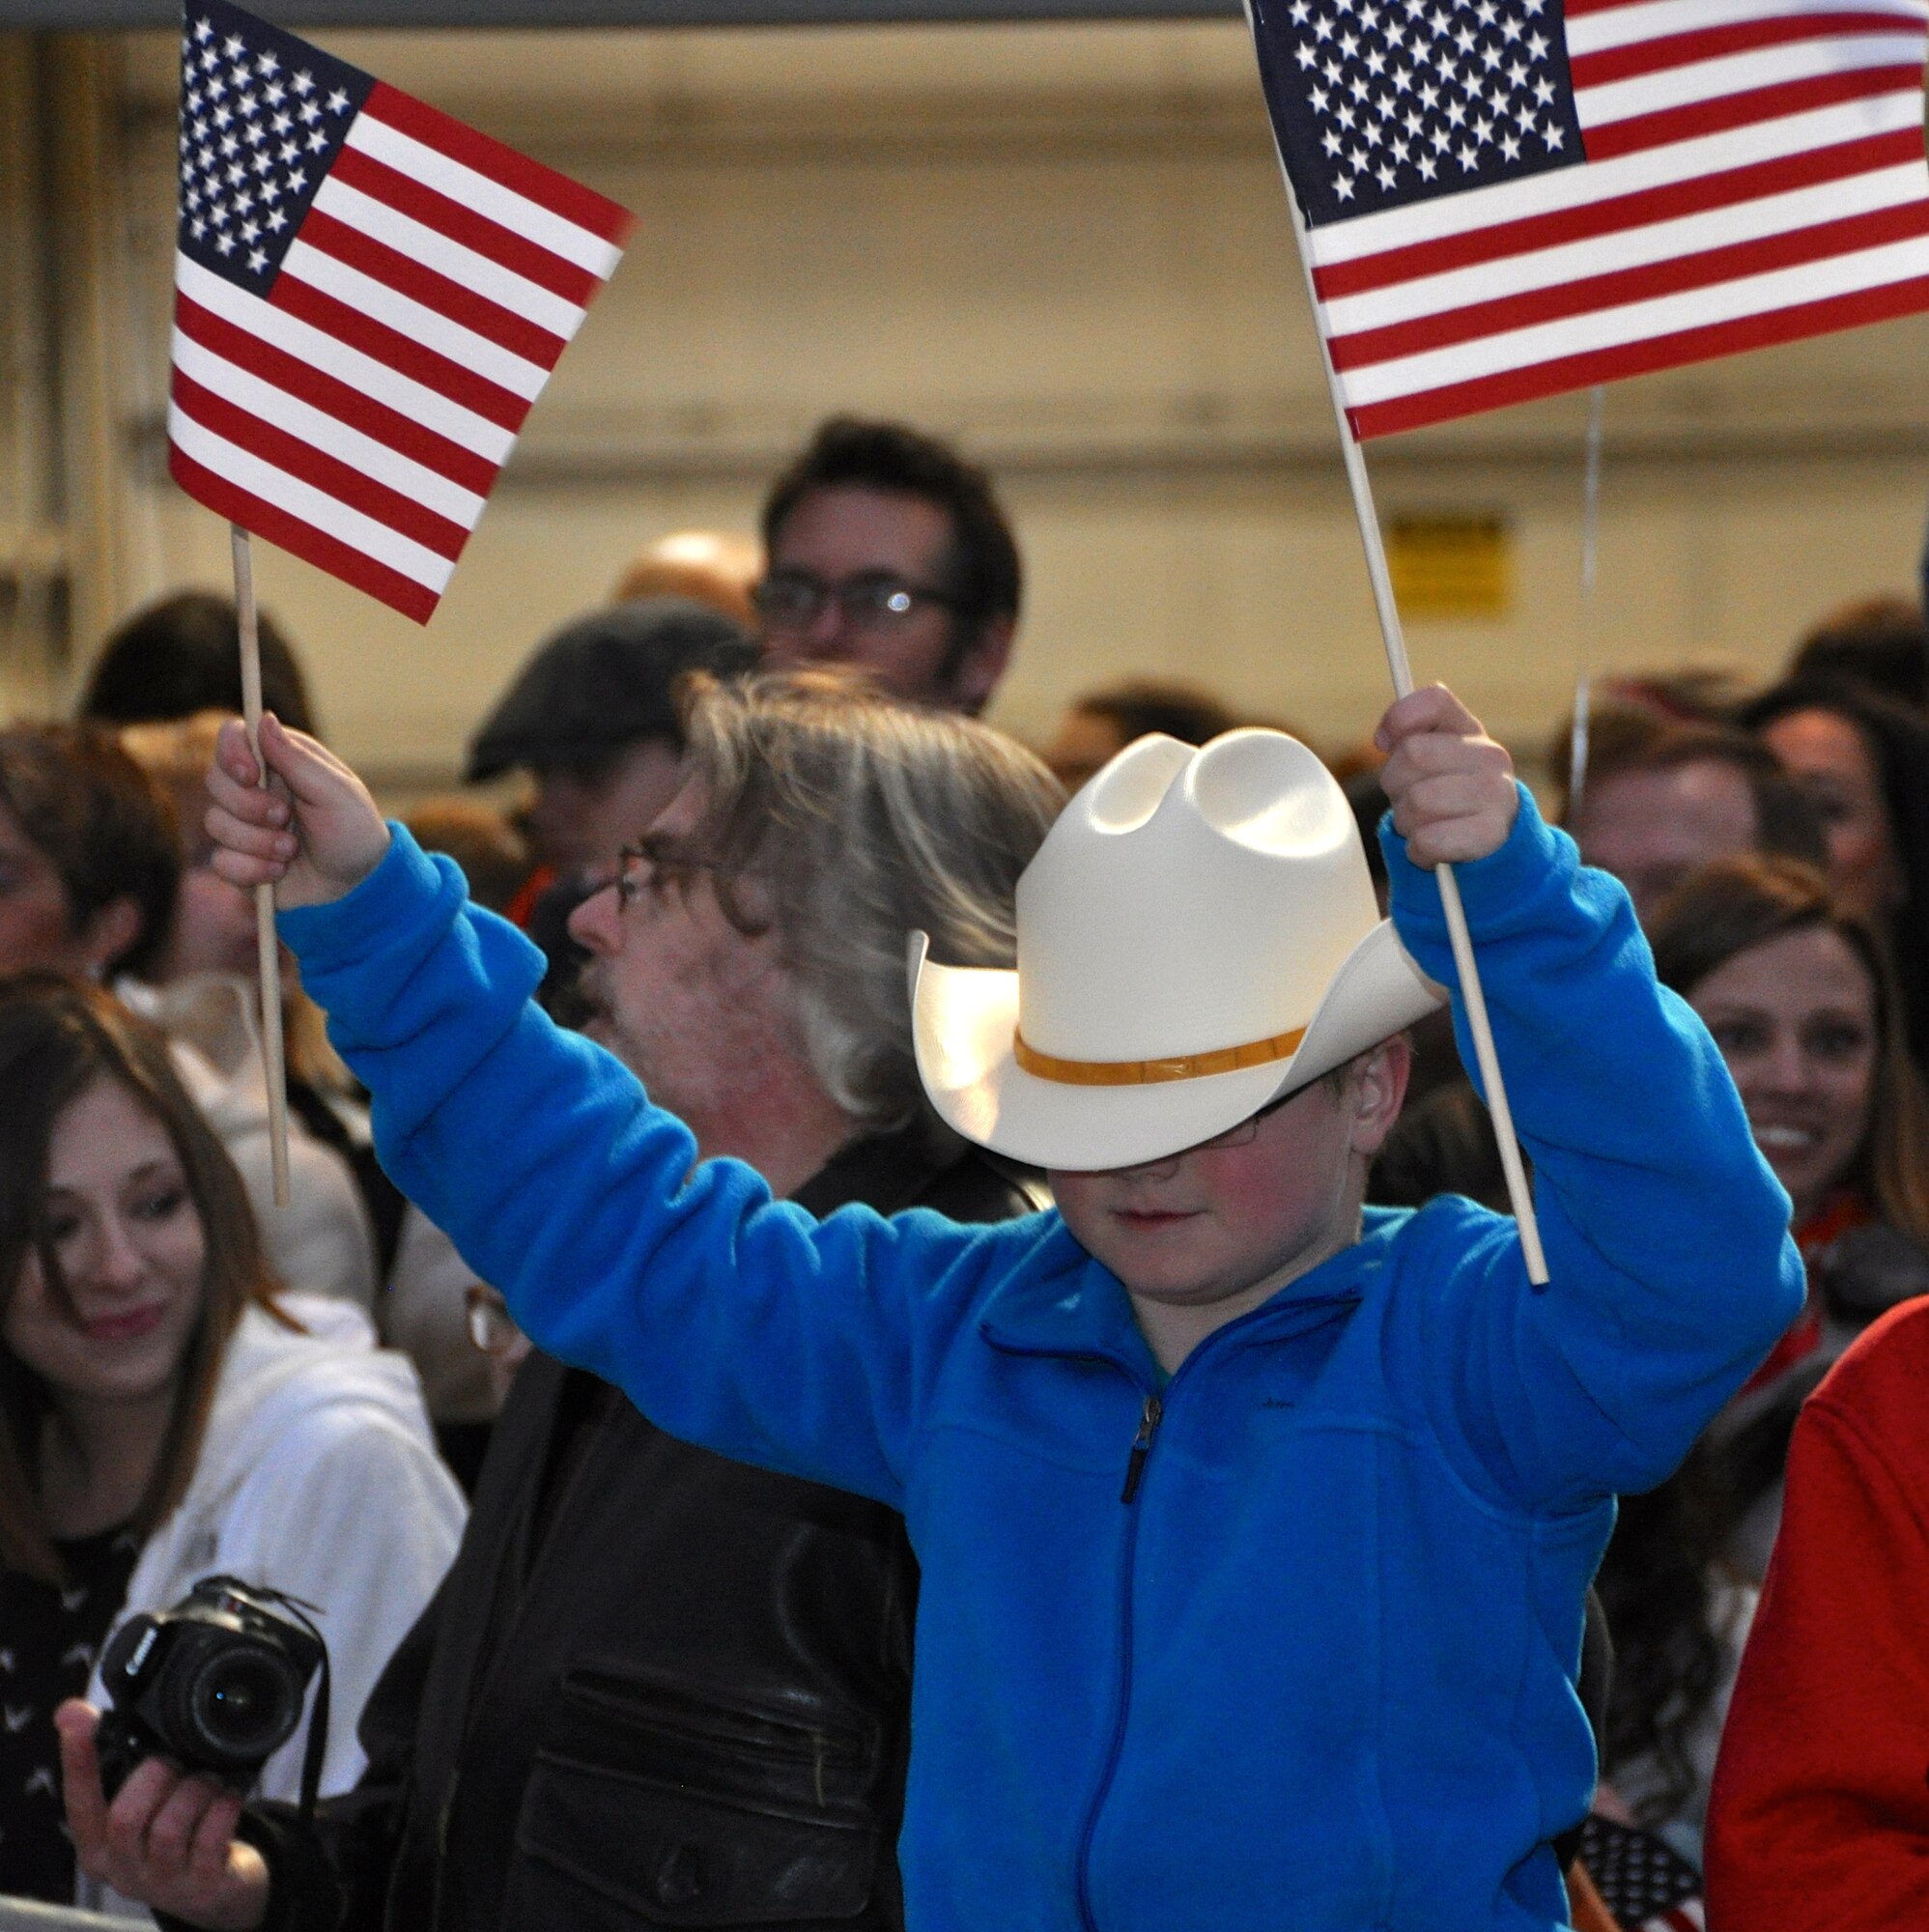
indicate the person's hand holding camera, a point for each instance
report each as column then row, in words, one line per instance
column 167, row 1840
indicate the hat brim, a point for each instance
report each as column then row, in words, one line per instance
column 964, row 1021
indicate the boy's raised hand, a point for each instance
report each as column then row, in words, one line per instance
column 1449, row 785
column 315, row 832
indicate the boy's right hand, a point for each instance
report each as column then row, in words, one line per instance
column 167, row 1840
column 314, row 832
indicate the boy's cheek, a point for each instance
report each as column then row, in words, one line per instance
column 1079, row 1198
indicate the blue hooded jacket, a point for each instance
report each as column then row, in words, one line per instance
column 1286, row 1641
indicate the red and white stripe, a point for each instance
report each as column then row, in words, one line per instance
column 1687, row 1917
column 1754, row 174
column 360, row 414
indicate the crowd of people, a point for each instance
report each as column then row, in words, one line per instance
column 1064, row 1436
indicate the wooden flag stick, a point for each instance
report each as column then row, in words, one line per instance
column 1394, row 637
column 268, row 949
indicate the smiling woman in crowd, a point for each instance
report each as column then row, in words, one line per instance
column 165, row 1416
column 1800, row 995
column 1799, row 998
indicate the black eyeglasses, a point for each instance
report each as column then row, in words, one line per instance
column 1242, row 1133
column 657, row 868
column 874, row 599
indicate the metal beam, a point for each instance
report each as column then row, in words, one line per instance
column 72, row 13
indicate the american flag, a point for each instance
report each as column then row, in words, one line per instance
column 1642, row 1880
column 368, row 298
column 1506, row 199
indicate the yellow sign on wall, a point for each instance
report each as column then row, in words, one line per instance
column 1451, row 566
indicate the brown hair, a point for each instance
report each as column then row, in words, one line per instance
column 58, row 1038
column 1142, row 705
column 104, row 826
column 1875, row 641
column 1737, row 904
column 182, row 655
column 863, row 820
column 1626, row 738
column 176, row 754
column 984, row 576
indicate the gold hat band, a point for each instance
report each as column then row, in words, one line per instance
column 1147, row 1072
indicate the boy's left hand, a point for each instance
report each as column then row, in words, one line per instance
column 1449, row 785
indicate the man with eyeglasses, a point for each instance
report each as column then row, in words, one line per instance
column 659, row 1687
column 887, row 551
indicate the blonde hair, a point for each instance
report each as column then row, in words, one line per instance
column 714, row 567
column 177, row 754
column 863, row 820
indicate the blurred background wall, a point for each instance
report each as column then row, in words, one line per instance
column 1066, row 244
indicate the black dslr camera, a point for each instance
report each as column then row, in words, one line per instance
column 216, row 1684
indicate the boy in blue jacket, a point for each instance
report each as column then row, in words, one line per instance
column 1255, row 1527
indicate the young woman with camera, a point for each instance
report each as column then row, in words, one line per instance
column 167, row 1416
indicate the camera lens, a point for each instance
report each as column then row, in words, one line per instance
column 242, row 1704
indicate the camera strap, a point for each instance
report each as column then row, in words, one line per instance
column 317, row 1747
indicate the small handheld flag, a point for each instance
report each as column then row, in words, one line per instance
column 1505, row 199
column 1393, row 637
column 368, row 298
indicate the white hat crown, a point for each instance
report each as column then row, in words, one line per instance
column 1197, row 936
column 1189, row 902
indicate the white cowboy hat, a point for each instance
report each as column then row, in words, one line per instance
column 1197, row 936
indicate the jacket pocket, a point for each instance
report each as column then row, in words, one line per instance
column 649, row 1805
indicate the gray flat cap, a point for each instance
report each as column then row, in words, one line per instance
column 604, row 681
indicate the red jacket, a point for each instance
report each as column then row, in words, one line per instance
column 1820, row 1811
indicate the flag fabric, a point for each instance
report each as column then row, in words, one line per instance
column 368, row 298
column 1506, row 199
column 1643, row 1881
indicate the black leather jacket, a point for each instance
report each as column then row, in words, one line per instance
column 656, row 1689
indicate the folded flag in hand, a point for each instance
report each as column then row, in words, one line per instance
column 368, row 298
column 1509, row 198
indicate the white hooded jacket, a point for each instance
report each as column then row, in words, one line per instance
column 318, row 1477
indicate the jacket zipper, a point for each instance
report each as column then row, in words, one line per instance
column 1149, row 1416
column 1142, row 1446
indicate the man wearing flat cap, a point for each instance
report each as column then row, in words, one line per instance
column 592, row 718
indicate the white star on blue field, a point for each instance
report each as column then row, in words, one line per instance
column 261, row 119
column 1381, row 104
